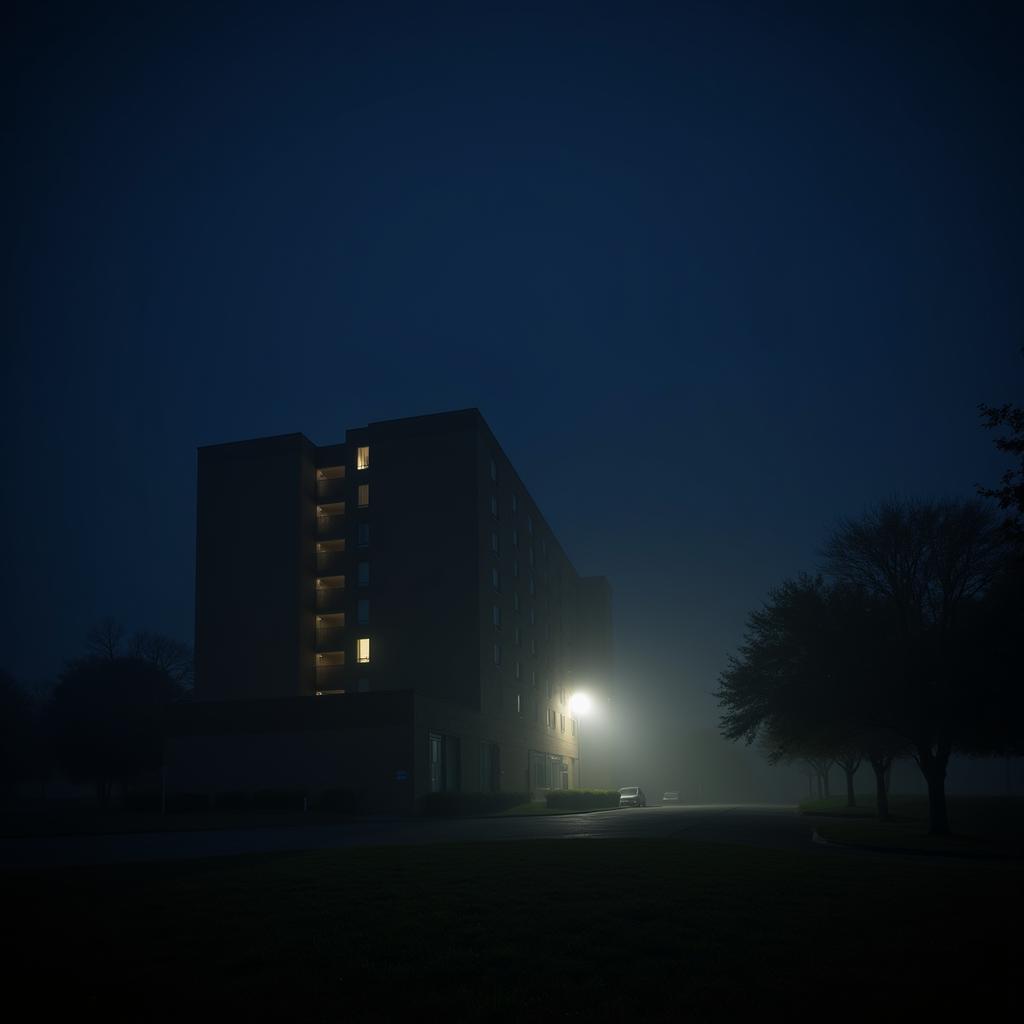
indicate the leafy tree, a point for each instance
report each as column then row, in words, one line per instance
column 107, row 719
column 929, row 566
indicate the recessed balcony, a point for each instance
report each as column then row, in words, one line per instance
column 330, row 483
column 329, row 639
column 330, row 594
column 330, row 520
column 330, row 561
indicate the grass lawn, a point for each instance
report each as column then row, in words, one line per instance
column 582, row 929
column 986, row 826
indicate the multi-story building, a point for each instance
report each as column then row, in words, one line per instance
column 391, row 614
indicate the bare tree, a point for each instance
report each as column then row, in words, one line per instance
column 171, row 655
column 104, row 638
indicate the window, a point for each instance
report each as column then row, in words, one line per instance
column 363, row 650
column 515, row 537
column 496, row 616
column 494, row 506
column 363, row 611
column 561, row 719
column 515, row 601
column 518, row 638
column 495, row 579
column 363, row 498
column 551, row 718
column 494, row 541
column 516, row 671
column 519, row 703
column 363, row 457
column 497, row 654
column 531, row 554
column 364, row 574
column 364, row 535
column 494, row 471
column 533, row 617
column 515, row 568
column 533, row 678
column 533, row 645
column 515, row 504
column 533, row 586
column 572, row 725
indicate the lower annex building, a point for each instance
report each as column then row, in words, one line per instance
column 390, row 616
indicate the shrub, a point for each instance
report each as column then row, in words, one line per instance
column 451, row 805
column 233, row 801
column 279, row 799
column 582, row 799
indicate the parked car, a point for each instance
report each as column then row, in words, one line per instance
column 671, row 797
column 632, row 796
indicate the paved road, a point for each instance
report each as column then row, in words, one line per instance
column 764, row 825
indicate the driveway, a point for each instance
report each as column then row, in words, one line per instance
column 763, row 825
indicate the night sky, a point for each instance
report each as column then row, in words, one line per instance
column 715, row 274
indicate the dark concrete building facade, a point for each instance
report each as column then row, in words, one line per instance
column 391, row 614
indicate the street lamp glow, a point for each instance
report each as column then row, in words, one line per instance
column 579, row 703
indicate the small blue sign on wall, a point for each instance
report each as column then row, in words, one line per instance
column 401, row 776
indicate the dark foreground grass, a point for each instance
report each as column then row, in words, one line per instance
column 579, row 929
column 990, row 826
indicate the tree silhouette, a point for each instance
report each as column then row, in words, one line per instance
column 107, row 719
column 928, row 565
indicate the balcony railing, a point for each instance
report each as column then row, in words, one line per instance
column 330, row 677
column 330, row 563
column 330, row 638
column 330, row 526
column 331, row 489
column 330, row 599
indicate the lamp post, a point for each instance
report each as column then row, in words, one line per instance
column 579, row 705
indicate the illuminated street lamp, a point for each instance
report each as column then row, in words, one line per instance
column 579, row 704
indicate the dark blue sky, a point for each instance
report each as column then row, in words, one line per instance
column 716, row 274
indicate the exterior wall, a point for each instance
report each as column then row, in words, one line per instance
column 252, row 543
column 359, row 742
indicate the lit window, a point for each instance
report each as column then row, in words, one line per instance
column 494, row 470
column 364, row 535
column 363, row 499
column 497, row 654
column 363, row 650
column 363, row 457
column 364, row 574
column 494, row 541
column 363, row 611
column 495, row 579
column 496, row 616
